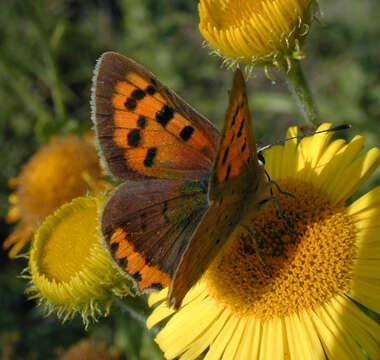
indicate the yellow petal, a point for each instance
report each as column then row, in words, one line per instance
column 196, row 317
column 319, row 143
column 339, row 163
column 289, row 159
column 13, row 198
column 325, row 159
column 368, row 236
column 356, row 174
column 273, row 158
column 370, row 200
column 336, row 344
column 358, row 324
column 159, row 313
column 366, row 224
column 207, row 337
column 292, row 132
column 371, row 213
column 302, row 339
column 369, row 253
column 157, row 297
column 13, row 215
column 222, row 340
column 272, row 334
column 365, row 292
column 249, row 347
column 21, row 234
column 366, row 268
column 236, row 339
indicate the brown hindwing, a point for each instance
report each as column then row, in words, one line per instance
column 147, row 225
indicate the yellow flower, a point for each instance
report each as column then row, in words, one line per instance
column 306, row 309
column 256, row 32
column 70, row 270
column 60, row 171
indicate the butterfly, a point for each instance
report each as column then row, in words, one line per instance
column 186, row 186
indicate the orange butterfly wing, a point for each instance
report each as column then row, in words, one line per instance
column 237, row 182
column 144, row 129
column 148, row 224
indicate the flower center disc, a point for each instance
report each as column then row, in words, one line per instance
column 69, row 245
column 307, row 266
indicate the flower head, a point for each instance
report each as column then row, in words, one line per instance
column 60, row 171
column 88, row 350
column 330, row 258
column 256, row 32
column 70, row 270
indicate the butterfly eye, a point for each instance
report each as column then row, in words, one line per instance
column 261, row 158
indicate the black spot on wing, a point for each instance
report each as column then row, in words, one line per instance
column 138, row 94
column 164, row 115
column 134, row 138
column 141, row 122
column 157, row 286
column 137, row 276
column 153, row 81
column 114, row 246
column 150, row 90
column 228, row 172
column 244, row 145
column 186, row 133
column 123, row 262
column 240, row 128
column 235, row 115
column 130, row 104
column 225, row 155
column 150, row 155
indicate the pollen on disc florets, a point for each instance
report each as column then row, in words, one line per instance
column 308, row 266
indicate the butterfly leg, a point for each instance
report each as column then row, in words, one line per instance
column 272, row 182
column 274, row 198
column 260, row 256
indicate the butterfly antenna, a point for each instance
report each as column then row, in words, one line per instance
column 335, row 128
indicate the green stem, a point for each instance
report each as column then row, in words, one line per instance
column 136, row 307
column 56, row 87
column 300, row 90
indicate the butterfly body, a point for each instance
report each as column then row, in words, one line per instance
column 186, row 189
column 237, row 183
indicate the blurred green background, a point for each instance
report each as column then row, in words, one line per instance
column 48, row 49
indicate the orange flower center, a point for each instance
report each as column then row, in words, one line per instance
column 303, row 268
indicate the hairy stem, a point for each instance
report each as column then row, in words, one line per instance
column 300, row 90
